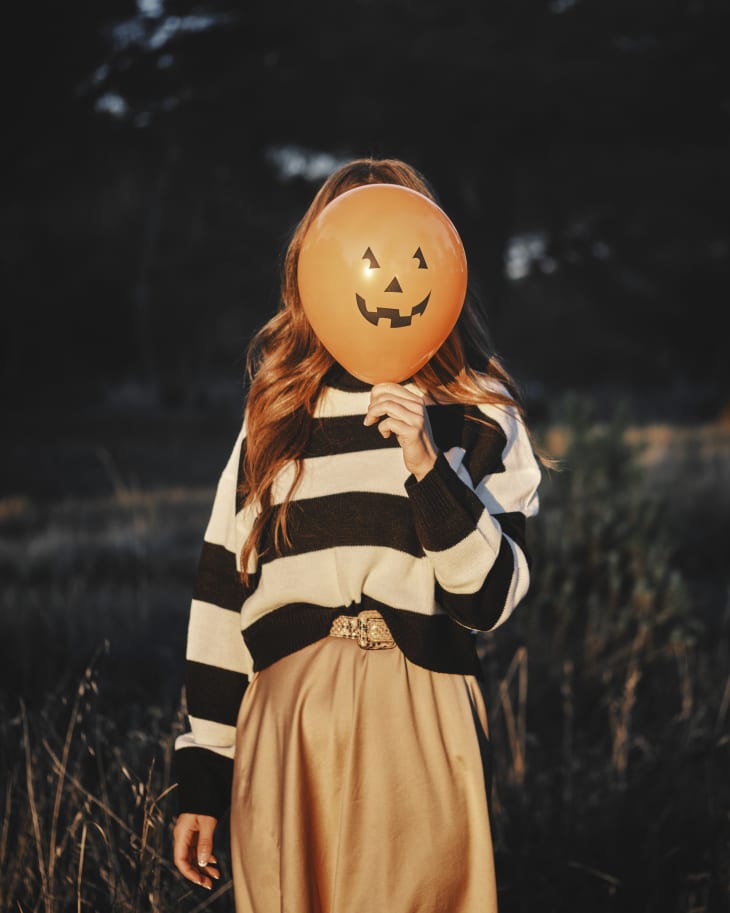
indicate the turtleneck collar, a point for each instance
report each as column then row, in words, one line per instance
column 341, row 379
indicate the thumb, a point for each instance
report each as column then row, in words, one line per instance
column 206, row 826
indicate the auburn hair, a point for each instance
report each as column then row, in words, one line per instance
column 286, row 363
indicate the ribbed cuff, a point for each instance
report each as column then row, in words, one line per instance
column 445, row 510
column 204, row 781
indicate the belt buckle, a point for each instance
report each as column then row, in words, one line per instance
column 372, row 631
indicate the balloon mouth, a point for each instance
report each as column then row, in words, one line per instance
column 393, row 314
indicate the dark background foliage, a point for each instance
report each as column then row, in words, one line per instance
column 158, row 156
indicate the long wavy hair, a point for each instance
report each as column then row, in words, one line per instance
column 286, row 363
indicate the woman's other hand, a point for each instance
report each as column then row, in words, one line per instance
column 193, row 852
column 405, row 417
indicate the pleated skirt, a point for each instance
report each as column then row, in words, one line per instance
column 360, row 785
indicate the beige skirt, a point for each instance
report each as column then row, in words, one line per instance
column 359, row 786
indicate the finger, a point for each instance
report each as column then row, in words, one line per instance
column 403, row 428
column 381, row 394
column 406, row 411
column 211, row 871
column 397, row 395
column 211, row 868
column 400, row 429
column 206, row 827
column 413, row 406
column 387, row 388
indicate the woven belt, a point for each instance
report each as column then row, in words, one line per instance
column 368, row 628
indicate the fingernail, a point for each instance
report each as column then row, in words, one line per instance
column 202, row 861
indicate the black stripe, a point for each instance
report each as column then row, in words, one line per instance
column 464, row 495
column 353, row 518
column 438, row 532
column 439, row 527
column 204, row 781
column 446, row 423
column 345, row 434
column 482, row 438
column 513, row 525
column 287, row 629
column 484, row 441
column 217, row 580
column 468, row 499
column 481, row 610
column 432, row 641
column 212, row 693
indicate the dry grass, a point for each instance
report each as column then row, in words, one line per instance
column 611, row 788
column 608, row 691
column 88, row 814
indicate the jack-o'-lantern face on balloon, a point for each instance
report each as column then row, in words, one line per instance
column 382, row 278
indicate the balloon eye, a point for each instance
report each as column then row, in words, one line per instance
column 369, row 255
column 421, row 259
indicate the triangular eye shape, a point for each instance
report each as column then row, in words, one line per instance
column 369, row 255
column 421, row 259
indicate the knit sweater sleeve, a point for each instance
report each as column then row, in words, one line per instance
column 472, row 522
column 218, row 664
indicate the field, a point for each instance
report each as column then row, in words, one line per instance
column 608, row 691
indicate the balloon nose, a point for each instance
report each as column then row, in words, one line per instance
column 394, row 285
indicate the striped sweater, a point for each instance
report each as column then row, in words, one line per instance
column 441, row 559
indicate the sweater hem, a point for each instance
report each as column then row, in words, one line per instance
column 436, row 642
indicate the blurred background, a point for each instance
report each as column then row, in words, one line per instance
column 157, row 156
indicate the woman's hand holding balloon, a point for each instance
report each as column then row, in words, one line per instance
column 405, row 417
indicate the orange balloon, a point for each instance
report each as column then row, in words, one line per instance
column 382, row 278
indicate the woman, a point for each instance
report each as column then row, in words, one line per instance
column 359, row 538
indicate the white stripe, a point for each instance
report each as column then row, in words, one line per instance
column 519, row 585
column 220, row 528
column 223, row 748
column 243, row 524
column 223, row 524
column 214, row 638
column 515, row 489
column 462, row 568
column 341, row 576
column 335, row 403
column 380, row 471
